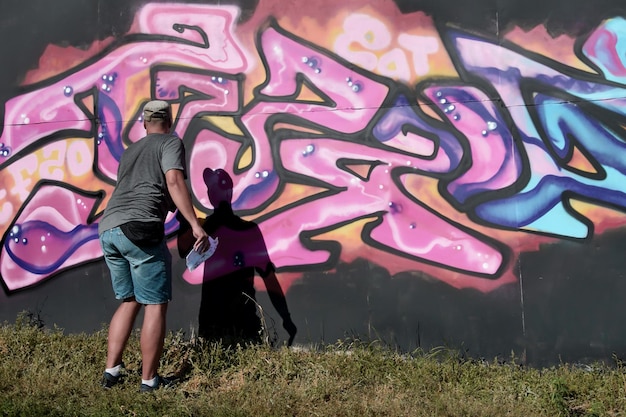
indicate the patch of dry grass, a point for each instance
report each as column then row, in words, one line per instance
column 46, row 373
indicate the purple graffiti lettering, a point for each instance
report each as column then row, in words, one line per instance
column 109, row 136
column 40, row 248
column 53, row 232
column 403, row 129
column 495, row 163
column 548, row 182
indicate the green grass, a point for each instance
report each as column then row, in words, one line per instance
column 44, row 372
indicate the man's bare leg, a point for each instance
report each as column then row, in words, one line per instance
column 119, row 330
column 152, row 338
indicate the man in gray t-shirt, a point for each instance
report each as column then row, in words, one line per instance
column 141, row 193
column 150, row 182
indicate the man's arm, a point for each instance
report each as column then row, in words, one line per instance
column 182, row 199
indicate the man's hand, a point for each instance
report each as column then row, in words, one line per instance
column 182, row 199
column 202, row 239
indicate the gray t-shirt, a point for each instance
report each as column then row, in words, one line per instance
column 141, row 192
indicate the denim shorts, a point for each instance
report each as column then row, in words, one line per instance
column 141, row 272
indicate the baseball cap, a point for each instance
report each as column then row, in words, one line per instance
column 157, row 109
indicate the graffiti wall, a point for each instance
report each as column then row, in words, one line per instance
column 423, row 175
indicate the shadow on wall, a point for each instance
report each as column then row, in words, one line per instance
column 228, row 305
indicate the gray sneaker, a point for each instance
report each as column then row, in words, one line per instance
column 109, row 381
column 162, row 382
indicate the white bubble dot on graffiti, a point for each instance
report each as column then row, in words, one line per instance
column 492, row 125
column 394, row 207
column 311, row 62
column 308, row 150
column 219, row 80
column 67, row 91
column 4, row 150
column 356, row 86
column 81, row 204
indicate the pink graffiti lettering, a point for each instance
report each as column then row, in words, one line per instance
column 511, row 150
